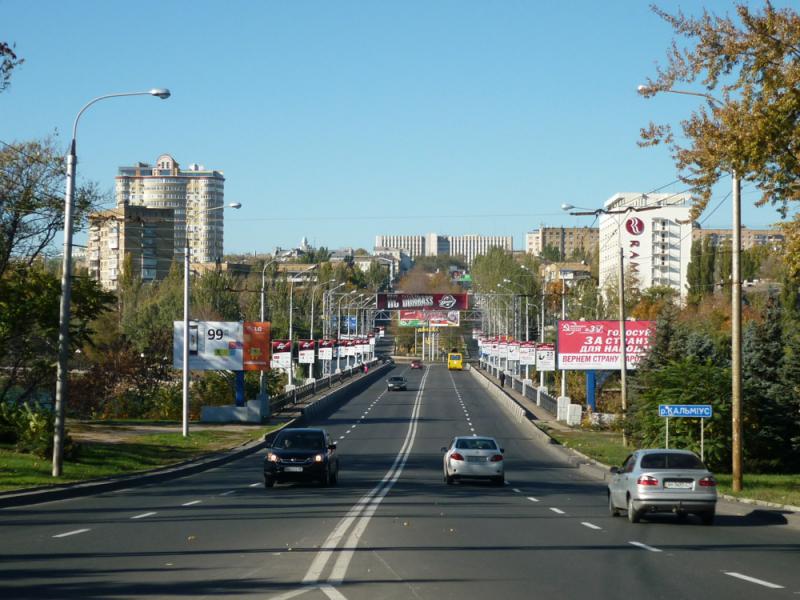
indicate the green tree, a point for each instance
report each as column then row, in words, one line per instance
column 752, row 63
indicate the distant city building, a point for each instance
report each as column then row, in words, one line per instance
column 432, row 244
column 566, row 271
column 751, row 238
column 189, row 193
column 144, row 234
column 656, row 244
column 567, row 240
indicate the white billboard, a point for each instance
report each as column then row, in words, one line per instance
column 213, row 345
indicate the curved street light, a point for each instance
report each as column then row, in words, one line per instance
column 66, row 280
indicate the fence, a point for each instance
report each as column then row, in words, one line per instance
column 542, row 398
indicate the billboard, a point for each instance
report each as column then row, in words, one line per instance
column 545, row 357
column 213, row 345
column 305, row 352
column 282, row 354
column 595, row 345
column 256, row 354
column 421, row 301
column 432, row 318
column 527, row 353
column 326, row 347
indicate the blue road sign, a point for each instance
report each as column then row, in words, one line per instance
column 693, row 411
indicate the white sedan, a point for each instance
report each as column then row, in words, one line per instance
column 473, row 457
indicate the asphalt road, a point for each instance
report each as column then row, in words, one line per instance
column 391, row 528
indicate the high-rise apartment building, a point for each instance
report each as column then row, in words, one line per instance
column 189, row 193
column 143, row 234
column 656, row 244
column 567, row 240
column 433, row 244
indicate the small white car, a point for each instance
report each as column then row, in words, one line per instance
column 661, row 480
column 474, row 457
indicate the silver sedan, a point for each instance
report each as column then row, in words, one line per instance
column 652, row 481
column 473, row 457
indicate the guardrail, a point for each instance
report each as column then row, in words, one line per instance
column 295, row 395
column 542, row 398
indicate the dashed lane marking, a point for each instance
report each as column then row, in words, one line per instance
column 766, row 584
column 590, row 525
column 645, row 547
column 144, row 515
column 69, row 533
column 558, row 511
column 532, row 499
column 193, row 502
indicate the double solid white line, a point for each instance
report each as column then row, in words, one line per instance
column 362, row 511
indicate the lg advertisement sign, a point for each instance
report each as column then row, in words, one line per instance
column 596, row 345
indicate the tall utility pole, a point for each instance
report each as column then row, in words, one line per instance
column 623, row 355
column 736, row 337
column 563, row 318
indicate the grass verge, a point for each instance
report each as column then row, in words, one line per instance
column 139, row 452
column 606, row 447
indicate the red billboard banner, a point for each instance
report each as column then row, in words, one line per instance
column 256, row 354
column 595, row 345
column 422, row 301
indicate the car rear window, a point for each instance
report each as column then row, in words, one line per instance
column 300, row 441
column 455, row 357
column 671, row 461
column 476, row 444
column 396, row 379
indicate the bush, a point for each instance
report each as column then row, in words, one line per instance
column 31, row 429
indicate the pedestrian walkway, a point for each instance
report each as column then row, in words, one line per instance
column 539, row 413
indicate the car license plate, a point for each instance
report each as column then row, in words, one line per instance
column 293, row 469
column 678, row 485
column 476, row 459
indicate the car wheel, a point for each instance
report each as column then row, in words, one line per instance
column 611, row 508
column 448, row 479
column 269, row 482
column 707, row 518
column 633, row 514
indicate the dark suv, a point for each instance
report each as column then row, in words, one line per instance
column 398, row 382
column 301, row 454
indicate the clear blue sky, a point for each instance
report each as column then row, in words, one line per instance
column 342, row 120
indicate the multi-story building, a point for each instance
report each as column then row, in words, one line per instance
column 413, row 245
column 471, row 246
column 656, row 243
column 567, row 240
column 189, row 193
column 144, row 234
column 432, row 244
column 772, row 238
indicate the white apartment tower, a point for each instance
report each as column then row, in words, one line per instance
column 189, row 193
column 434, row 244
column 656, row 244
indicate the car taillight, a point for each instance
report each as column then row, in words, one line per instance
column 496, row 458
column 456, row 456
column 318, row 458
column 708, row 481
column 272, row 457
column 647, row 480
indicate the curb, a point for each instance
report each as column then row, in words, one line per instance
column 174, row 471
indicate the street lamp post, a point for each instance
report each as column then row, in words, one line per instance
column 736, row 304
column 66, row 282
column 262, row 376
column 186, row 278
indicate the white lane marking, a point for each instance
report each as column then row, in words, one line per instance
column 68, row 533
column 645, row 546
column 374, row 497
column 516, row 490
column 197, row 501
column 228, row 493
column 557, row 510
column 256, row 484
column 143, row 515
column 532, row 499
column 767, row 584
column 472, row 429
column 332, row 592
column 341, row 437
column 590, row 525
column 355, row 425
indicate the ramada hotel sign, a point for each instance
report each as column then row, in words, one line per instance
column 595, row 345
column 635, row 227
